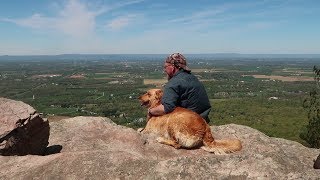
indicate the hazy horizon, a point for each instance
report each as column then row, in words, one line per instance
column 157, row 57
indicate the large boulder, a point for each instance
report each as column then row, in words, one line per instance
column 97, row 148
column 22, row 130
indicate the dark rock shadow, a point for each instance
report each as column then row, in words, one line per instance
column 54, row 149
column 317, row 163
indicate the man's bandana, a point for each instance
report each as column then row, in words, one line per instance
column 178, row 60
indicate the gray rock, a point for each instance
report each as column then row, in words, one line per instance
column 97, row 148
column 22, row 130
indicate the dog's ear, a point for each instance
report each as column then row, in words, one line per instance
column 159, row 94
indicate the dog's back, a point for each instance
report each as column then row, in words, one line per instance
column 185, row 128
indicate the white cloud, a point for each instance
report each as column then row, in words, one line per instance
column 120, row 22
column 199, row 16
column 74, row 19
column 36, row 21
column 158, row 28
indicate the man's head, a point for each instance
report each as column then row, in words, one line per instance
column 174, row 63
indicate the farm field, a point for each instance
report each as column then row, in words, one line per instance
column 264, row 94
column 284, row 78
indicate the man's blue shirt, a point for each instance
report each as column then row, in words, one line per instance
column 185, row 90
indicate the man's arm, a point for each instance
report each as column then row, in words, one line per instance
column 157, row 111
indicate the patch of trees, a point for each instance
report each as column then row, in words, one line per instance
column 311, row 133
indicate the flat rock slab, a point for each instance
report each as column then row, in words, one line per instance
column 97, row 148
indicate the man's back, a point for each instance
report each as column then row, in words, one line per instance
column 185, row 90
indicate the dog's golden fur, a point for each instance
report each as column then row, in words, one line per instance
column 183, row 128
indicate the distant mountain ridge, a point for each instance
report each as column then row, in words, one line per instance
column 209, row 56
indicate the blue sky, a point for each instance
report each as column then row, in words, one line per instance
column 49, row 27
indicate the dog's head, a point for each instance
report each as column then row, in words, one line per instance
column 151, row 98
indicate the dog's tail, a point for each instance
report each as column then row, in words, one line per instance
column 219, row 146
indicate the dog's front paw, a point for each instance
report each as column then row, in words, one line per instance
column 168, row 142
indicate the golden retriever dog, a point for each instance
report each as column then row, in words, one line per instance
column 183, row 128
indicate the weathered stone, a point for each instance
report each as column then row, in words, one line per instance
column 22, row 130
column 96, row 148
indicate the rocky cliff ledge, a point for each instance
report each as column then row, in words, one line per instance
column 97, row 148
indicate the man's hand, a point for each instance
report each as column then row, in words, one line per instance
column 156, row 111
